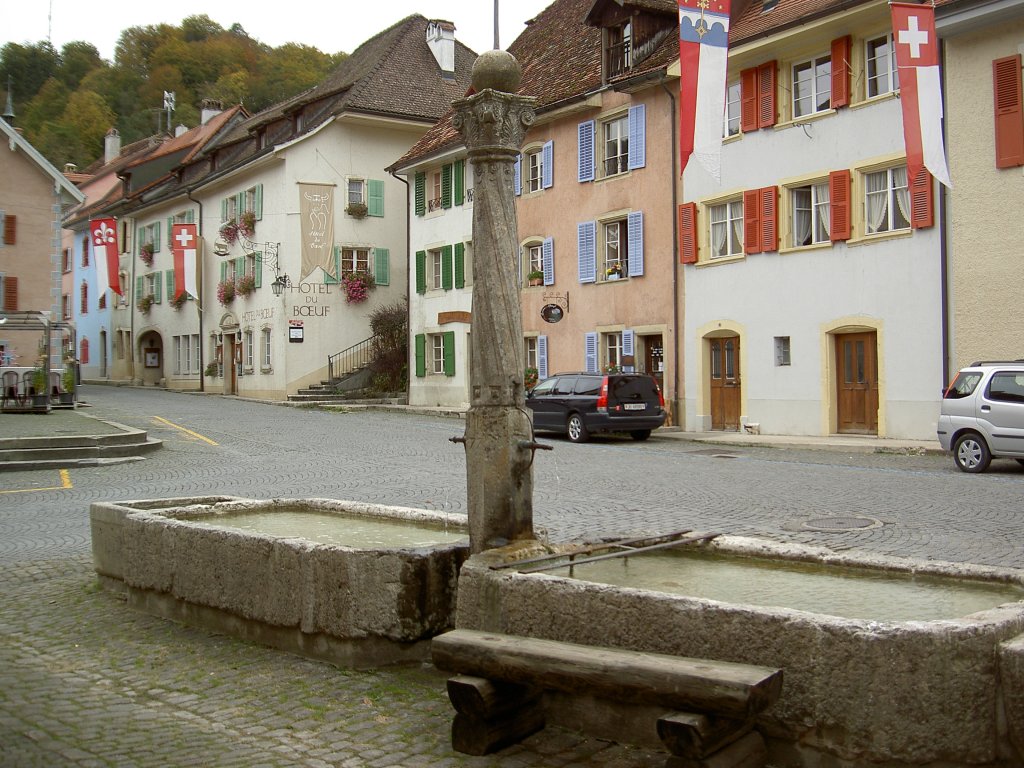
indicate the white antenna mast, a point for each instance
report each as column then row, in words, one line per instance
column 497, row 44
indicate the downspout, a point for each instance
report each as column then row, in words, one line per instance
column 409, row 372
column 943, row 241
column 199, row 301
column 677, row 413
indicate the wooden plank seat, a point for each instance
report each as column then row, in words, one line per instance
column 710, row 705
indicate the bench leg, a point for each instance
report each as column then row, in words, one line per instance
column 492, row 715
column 749, row 752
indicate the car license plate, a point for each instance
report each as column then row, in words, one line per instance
column 635, row 406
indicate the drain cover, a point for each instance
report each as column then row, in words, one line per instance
column 842, row 523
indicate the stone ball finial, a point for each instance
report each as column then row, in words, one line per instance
column 498, row 70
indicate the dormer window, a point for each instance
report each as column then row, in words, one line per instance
column 618, row 51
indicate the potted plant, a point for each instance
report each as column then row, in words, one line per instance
column 358, row 285
column 146, row 254
column 536, row 277
column 614, row 272
column 229, row 231
column 358, row 210
column 68, row 378
column 226, row 291
column 40, row 397
column 530, row 378
column 245, row 285
column 144, row 303
column 178, row 301
column 247, row 224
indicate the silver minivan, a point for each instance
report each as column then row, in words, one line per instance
column 982, row 415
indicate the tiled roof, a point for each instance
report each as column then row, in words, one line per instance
column 753, row 22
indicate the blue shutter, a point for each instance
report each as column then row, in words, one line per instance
column 591, row 352
column 585, row 171
column 542, row 358
column 548, row 261
column 382, row 266
column 517, row 175
column 627, row 349
column 635, row 230
column 586, row 244
column 548, row 161
column 637, row 157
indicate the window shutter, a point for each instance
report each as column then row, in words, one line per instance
column 921, row 201
column 224, row 209
column 83, row 352
column 259, row 201
column 421, row 193
column 382, row 266
column 769, row 214
column 688, row 233
column 1009, row 104
column 10, row 229
column 460, row 181
column 448, row 351
column 446, row 268
column 421, row 355
column 542, row 358
column 156, row 237
column 590, row 352
column 547, row 252
column 586, row 247
column 766, row 94
column 635, row 239
column 374, row 197
column 748, row 100
column 190, row 216
column 839, row 204
column 751, row 222
column 446, row 186
column 517, row 175
column 585, row 170
column 841, row 72
column 628, row 348
column 257, row 275
column 460, row 265
column 421, row 271
column 548, row 160
column 223, row 274
column 170, row 230
column 169, row 277
column 333, row 278
column 637, row 150
column 83, row 299
column 10, row 293
column 140, row 286
column 158, row 289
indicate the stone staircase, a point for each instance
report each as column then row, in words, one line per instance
column 49, row 452
column 327, row 394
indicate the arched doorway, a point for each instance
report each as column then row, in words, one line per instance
column 150, row 367
column 230, row 352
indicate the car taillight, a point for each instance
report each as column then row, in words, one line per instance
column 661, row 397
column 602, row 397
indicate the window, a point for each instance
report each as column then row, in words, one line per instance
column 811, row 214
column 732, row 110
column 148, row 235
column 436, row 262
column 535, row 258
column 83, row 351
column 353, row 260
column 84, row 305
column 85, row 252
column 530, row 350
column 1008, row 101
column 535, row 171
column 249, row 351
column 618, row 54
column 615, row 237
column 436, row 191
column 781, row 350
column 812, row 86
column 178, row 355
column 233, row 207
column 616, row 146
column 883, row 77
column 612, row 351
column 102, row 304
column 356, row 192
column 151, row 286
column 66, row 262
column 726, row 222
column 436, row 353
column 887, row 200
column 265, row 345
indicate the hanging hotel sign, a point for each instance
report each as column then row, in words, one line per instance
column 296, row 332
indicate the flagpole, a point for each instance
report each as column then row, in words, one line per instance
column 497, row 44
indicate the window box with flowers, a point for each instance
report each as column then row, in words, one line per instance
column 614, row 272
column 146, row 254
column 178, row 301
column 245, row 285
column 145, row 303
column 356, row 210
column 229, row 231
column 247, row 224
column 357, row 285
column 226, row 291
column 536, row 277
column 530, row 377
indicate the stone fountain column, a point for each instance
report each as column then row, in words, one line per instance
column 499, row 455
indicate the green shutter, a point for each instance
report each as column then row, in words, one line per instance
column 239, row 205
column 460, row 182
column 156, row 237
column 158, row 289
column 448, row 346
column 421, row 355
column 223, row 271
column 140, row 286
column 170, row 284
column 334, row 279
column 421, row 271
column 259, row 201
column 421, row 193
column 374, row 197
column 239, row 267
column 170, row 233
column 382, row 266
column 446, row 186
column 446, row 267
column 258, row 273
column 224, row 209
column 460, row 265
column 190, row 216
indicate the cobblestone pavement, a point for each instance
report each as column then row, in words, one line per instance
column 84, row 681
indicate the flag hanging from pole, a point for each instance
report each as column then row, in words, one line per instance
column 703, row 62
column 185, row 247
column 103, row 234
column 917, row 61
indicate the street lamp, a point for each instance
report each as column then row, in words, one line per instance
column 280, row 284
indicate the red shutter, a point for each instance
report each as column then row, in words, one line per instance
column 688, row 233
column 748, row 100
column 766, row 94
column 10, row 294
column 841, row 72
column 751, row 221
column 85, row 299
column 1009, row 111
column 83, row 352
column 10, row 229
column 839, row 204
column 921, row 215
column 769, row 212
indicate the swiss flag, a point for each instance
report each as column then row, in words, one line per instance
column 185, row 247
column 103, row 235
column 917, row 60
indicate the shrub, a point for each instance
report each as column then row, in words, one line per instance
column 390, row 347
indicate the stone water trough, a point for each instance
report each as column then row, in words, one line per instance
column 942, row 692
column 353, row 597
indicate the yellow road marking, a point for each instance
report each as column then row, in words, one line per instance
column 65, row 479
column 65, row 483
column 186, row 431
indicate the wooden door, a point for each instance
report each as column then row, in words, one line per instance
column 231, row 363
column 857, row 383
column 654, row 359
column 725, row 383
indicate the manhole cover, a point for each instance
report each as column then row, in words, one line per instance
column 842, row 523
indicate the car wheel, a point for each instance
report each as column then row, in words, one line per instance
column 576, row 429
column 970, row 453
column 640, row 434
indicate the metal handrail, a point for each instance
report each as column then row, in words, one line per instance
column 356, row 357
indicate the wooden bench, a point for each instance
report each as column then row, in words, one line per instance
column 710, row 705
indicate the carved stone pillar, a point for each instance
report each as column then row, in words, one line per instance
column 498, row 458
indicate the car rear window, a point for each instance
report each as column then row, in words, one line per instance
column 963, row 385
column 632, row 388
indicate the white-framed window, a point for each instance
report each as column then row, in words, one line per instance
column 534, row 258
column 726, row 229
column 615, row 134
column 612, row 349
column 196, row 342
column 178, row 355
column 150, row 284
column 812, row 86
column 249, row 200
column 732, row 110
column 886, row 200
column 614, row 249
column 534, row 171
column 248, row 349
column 782, row 356
column 354, row 259
column 148, row 235
column 436, row 353
column 435, row 267
column 435, row 199
column 882, row 75
column 265, row 347
column 65, row 306
column 356, row 191
column 530, row 351
column 811, row 214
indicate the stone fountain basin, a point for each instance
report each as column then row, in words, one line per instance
column 352, row 605
column 897, row 693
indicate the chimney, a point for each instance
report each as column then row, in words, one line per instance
column 211, row 108
column 8, row 115
column 111, row 146
column 441, row 40
column 70, row 168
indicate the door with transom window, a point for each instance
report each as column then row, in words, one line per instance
column 857, row 383
column 724, row 371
